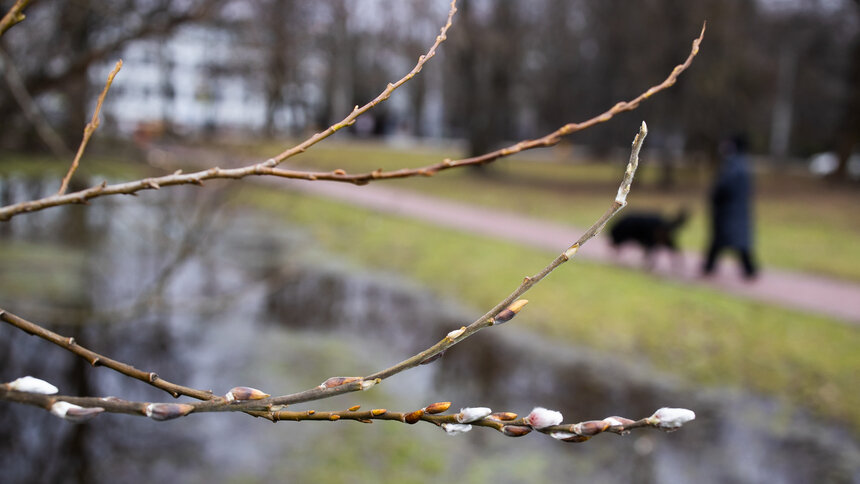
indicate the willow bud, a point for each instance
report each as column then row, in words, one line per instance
column 590, row 427
column 413, row 417
column 337, row 381
column 32, row 385
column 74, row 413
column 541, row 418
column 671, row 418
column 167, row 411
column 617, row 424
column 568, row 437
column 245, row 393
column 509, row 312
column 471, row 414
column 437, row 407
column 515, row 430
column 454, row 428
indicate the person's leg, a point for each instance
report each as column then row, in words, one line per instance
column 711, row 259
column 748, row 263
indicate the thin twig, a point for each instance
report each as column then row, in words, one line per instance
column 265, row 168
column 385, row 94
column 13, row 16
column 488, row 318
column 30, row 109
column 89, row 129
column 95, row 359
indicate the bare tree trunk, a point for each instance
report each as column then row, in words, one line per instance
column 849, row 127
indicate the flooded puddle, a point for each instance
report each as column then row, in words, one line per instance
column 213, row 297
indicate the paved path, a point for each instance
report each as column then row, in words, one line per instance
column 803, row 292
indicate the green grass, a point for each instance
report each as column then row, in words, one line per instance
column 801, row 224
column 699, row 334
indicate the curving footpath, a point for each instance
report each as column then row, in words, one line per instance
column 799, row 291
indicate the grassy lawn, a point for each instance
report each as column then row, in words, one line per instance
column 695, row 333
column 802, row 224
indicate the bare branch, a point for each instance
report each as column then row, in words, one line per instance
column 13, row 16
column 89, row 129
column 96, row 359
column 267, row 167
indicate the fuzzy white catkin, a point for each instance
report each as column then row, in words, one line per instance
column 471, row 414
column 454, row 429
column 33, row 385
column 672, row 418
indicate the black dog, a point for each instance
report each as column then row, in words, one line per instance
column 651, row 231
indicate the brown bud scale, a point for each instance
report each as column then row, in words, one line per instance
column 413, row 417
column 337, row 381
column 515, row 430
column 438, row 407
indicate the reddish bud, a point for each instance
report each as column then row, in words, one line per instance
column 617, row 424
column 413, row 417
column 245, row 393
column 515, row 430
column 337, row 381
column 437, row 407
column 167, row 411
column 590, row 427
column 503, row 416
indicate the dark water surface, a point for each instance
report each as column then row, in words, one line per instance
column 212, row 297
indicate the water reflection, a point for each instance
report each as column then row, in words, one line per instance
column 209, row 295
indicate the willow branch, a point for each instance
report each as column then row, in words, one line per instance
column 84, row 408
column 502, row 312
column 267, row 168
column 13, row 16
column 95, row 359
column 89, row 129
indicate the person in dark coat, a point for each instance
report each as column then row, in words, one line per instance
column 731, row 217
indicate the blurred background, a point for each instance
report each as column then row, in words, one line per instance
column 279, row 286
